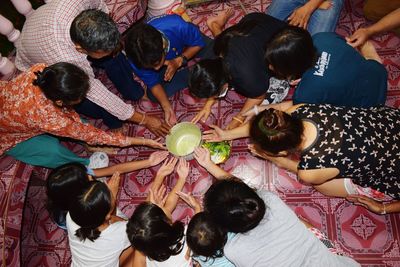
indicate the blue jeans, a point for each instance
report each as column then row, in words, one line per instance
column 320, row 20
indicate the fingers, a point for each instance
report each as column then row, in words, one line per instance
column 197, row 117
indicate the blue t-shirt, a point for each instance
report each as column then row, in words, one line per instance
column 180, row 34
column 341, row 76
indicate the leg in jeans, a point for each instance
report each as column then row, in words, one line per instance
column 119, row 71
column 281, row 9
column 92, row 110
column 46, row 151
column 325, row 20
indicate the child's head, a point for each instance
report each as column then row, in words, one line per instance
column 290, row 53
column 91, row 209
column 63, row 83
column 234, row 205
column 65, row 183
column 151, row 232
column 205, row 237
column 208, row 78
column 144, row 46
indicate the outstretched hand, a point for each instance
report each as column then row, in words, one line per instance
column 113, row 184
column 202, row 156
column 216, row 134
column 366, row 202
column 156, row 126
column 167, row 167
column 359, row 37
column 154, row 143
column 202, row 115
column 158, row 157
column 189, row 199
column 158, row 197
column 183, row 168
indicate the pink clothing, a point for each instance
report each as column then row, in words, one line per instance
column 45, row 39
column 26, row 112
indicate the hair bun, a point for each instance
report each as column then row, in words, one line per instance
column 44, row 77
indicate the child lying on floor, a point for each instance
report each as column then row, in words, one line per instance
column 158, row 240
column 65, row 182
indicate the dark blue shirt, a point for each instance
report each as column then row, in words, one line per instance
column 341, row 76
column 180, row 34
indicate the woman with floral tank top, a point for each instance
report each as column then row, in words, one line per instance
column 36, row 106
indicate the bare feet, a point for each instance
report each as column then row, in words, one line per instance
column 369, row 52
column 217, row 23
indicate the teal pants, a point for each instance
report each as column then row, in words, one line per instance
column 44, row 150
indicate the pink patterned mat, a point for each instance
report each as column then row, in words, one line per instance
column 371, row 239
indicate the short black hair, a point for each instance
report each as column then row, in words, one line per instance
column 234, row 205
column 63, row 81
column 144, row 45
column 208, row 77
column 205, row 237
column 150, row 232
column 94, row 31
column 291, row 52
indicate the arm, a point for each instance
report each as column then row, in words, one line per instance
column 154, row 159
column 172, row 199
column 159, row 93
column 202, row 156
column 205, row 112
column 174, row 64
column 388, row 22
column 282, row 162
column 375, row 206
column 218, row 135
column 301, row 15
column 248, row 104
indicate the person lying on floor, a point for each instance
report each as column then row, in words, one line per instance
column 344, row 152
column 37, row 106
column 158, row 240
column 66, row 181
column 71, row 31
column 158, row 52
column 257, row 227
column 239, row 64
column 96, row 236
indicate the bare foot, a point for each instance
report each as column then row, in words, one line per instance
column 325, row 5
column 217, row 23
column 369, row 52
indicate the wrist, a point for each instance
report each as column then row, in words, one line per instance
column 183, row 60
column 383, row 210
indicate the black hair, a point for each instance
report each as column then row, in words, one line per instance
column 205, row 237
column 144, row 45
column 275, row 131
column 234, row 205
column 151, row 232
column 95, row 31
column 208, row 77
column 221, row 43
column 64, row 183
column 89, row 210
column 291, row 52
column 63, row 81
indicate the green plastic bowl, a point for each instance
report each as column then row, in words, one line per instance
column 183, row 138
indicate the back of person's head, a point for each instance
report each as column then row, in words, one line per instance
column 205, row 237
column 234, row 205
column 291, row 52
column 221, row 43
column 63, row 82
column 274, row 131
column 64, row 183
column 144, row 46
column 208, row 77
column 151, row 232
column 95, row 31
column 90, row 209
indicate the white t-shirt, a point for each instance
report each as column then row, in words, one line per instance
column 104, row 251
column 281, row 239
column 173, row 261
